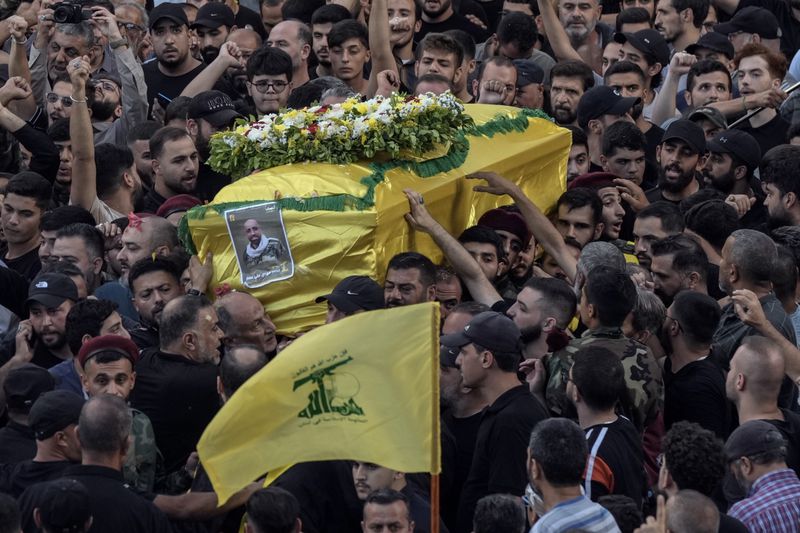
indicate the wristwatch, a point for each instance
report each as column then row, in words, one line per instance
column 119, row 42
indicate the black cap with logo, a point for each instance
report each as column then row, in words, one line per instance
column 603, row 100
column 51, row 290
column 215, row 107
column 493, row 331
column 650, row 42
column 688, row 132
column 355, row 293
column 213, row 15
column 738, row 143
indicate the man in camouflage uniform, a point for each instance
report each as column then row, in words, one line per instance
column 607, row 298
column 107, row 362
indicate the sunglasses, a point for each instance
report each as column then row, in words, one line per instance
column 52, row 98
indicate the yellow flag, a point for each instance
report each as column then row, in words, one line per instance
column 365, row 388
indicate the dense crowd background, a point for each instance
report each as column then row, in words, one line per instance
column 625, row 361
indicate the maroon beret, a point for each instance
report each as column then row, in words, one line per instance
column 505, row 220
column 175, row 204
column 108, row 343
column 593, row 180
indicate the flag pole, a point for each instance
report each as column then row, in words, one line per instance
column 434, row 503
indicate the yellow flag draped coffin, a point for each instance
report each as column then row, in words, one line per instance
column 330, row 221
column 336, row 394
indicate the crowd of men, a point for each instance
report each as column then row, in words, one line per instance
column 626, row 361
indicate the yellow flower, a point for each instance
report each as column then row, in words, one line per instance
column 362, row 107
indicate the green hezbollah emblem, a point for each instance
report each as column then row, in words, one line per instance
column 335, row 392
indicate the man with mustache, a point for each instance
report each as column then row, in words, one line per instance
column 787, row 13
column 781, row 184
column 294, row 38
column 212, row 26
column 678, row 155
column 154, row 283
column 322, row 21
column 568, row 81
column 176, row 164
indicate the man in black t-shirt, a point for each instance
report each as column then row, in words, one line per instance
column 22, row 388
column 490, row 353
column 27, row 196
column 681, row 148
column 440, row 16
column 173, row 67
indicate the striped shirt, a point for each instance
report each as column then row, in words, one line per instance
column 773, row 505
column 579, row 513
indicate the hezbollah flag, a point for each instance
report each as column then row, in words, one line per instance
column 365, row 388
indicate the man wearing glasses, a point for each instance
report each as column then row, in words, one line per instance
column 269, row 79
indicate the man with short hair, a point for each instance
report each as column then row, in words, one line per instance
column 322, row 21
column 616, row 458
column 486, row 248
column 496, row 82
column 578, row 161
column 694, row 386
column 26, row 198
column 174, row 66
column 569, row 80
column 490, row 351
column 410, row 279
column 679, row 21
column 439, row 53
column 498, row 512
column 462, row 88
column 349, row 44
column 647, row 49
column 273, row 509
column 81, row 245
column 269, row 79
column 677, row 263
column 294, row 38
column 579, row 215
column 580, row 30
column 176, row 385
column 756, row 453
column 613, row 213
column 139, row 145
column 55, row 219
column 243, row 320
column 387, row 510
column 555, row 474
column 212, row 26
column 153, row 284
column 599, row 107
column 655, row 222
column 53, row 418
column 781, row 185
column 176, row 163
column 21, row 388
column 623, row 152
column 678, row 156
column 352, row 295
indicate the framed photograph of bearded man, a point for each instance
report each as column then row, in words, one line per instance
column 260, row 243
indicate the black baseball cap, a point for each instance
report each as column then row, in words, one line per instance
column 528, row 72
column 64, row 506
column 603, row 100
column 649, row 41
column 173, row 12
column 53, row 411
column 739, row 143
column 448, row 355
column 213, row 15
column 708, row 113
column 716, row 42
column 25, row 384
column 751, row 19
column 492, row 330
column 688, row 132
column 51, row 289
column 214, row 107
column 753, row 438
column 355, row 293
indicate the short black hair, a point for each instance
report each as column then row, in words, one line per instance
column 302, row 10
column 58, row 131
column 233, row 372
column 92, row 239
column 784, row 273
column 612, row 293
column 713, row 220
column 177, row 109
column 698, row 315
column 148, row 265
column 779, row 167
column 388, row 497
column 788, row 237
column 599, row 376
column 624, row 67
column 693, row 455
column 142, row 131
column 180, row 317
column 345, row 30
column 573, row 68
column 111, row 162
column 632, row 15
column 409, row 260
column 668, row 213
column 305, row 96
column 63, row 215
column 273, row 509
column 559, row 447
column 559, row 299
column 498, row 513
column 484, row 235
column 578, row 136
column 498, row 61
column 518, row 29
column 442, row 42
column 10, row 518
column 687, row 255
column 581, row 197
column 86, row 318
column 330, row 14
column 163, row 136
column 626, row 512
column 31, row 185
column 706, row 66
column 269, row 60
column 464, row 39
column 623, row 135
column 699, row 9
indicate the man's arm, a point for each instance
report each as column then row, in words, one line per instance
column 38, row 56
column 751, row 312
column 463, row 264
column 18, row 64
column 543, row 230
column 665, row 100
column 556, row 35
column 83, row 189
column 229, row 56
column 201, row 505
column 739, row 106
column 379, row 46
